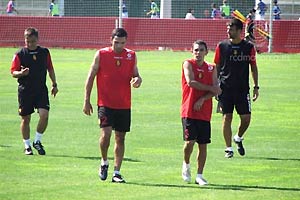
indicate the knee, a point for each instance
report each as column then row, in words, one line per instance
column 120, row 140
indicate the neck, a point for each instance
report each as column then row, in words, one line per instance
column 236, row 40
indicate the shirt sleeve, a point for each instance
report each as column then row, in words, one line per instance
column 253, row 56
column 16, row 64
column 217, row 55
column 49, row 62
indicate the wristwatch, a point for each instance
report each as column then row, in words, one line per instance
column 256, row 87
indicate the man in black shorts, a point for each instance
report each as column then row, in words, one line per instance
column 30, row 65
column 232, row 58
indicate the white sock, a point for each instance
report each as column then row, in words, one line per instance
column 238, row 138
column 229, row 148
column 116, row 172
column 38, row 137
column 26, row 143
column 199, row 175
column 104, row 162
column 187, row 166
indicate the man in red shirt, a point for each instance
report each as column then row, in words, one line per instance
column 233, row 57
column 199, row 85
column 30, row 65
column 116, row 71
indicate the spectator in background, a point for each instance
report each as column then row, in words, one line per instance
column 261, row 6
column 124, row 10
column 225, row 10
column 276, row 11
column 53, row 9
column 215, row 12
column 190, row 14
column 154, row 10
column 11, row 8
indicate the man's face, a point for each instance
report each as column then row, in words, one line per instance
column 31, row 42
column 118, row 44
column 199, row 52
column 233, row 32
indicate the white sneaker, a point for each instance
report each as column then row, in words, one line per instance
column 186, row 174
column 201, row 181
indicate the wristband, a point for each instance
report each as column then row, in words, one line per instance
column 256, row 87
column 54, row 85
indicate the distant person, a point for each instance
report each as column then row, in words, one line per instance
column 276, row 11
column 215, row 12
column 30, row 66
column 233, row 58
column 53, row 9
column 262, row 8
column 190, row 14
column 124, row 10
column 199, row 84
column 249, row 27
column 225, row 10
column 154, row 10
column 115, row 70
column 11, row 8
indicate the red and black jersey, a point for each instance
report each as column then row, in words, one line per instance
column 113, row 78
column 234, row 61
column 38, row 61
column 202, row 74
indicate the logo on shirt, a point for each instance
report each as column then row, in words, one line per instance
column 34, row 57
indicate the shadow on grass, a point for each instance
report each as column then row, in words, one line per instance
column 216, row 186
column 273, row 158
column 92, row 158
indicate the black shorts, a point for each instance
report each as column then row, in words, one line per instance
column 232, row 99
column 28, row 101
column 118, row 119
column 194, row 129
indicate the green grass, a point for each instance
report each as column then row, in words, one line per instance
column 153, row 157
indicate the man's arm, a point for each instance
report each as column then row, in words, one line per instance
column 87, row 107
column 208, row 95
column 191, row 82
column 254, row 73
column 136, row 80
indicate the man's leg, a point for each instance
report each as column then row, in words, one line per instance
column 227, row 133
column 104, row 142
column 119, row 155
column 202, row 154
column 238, row 138
column 40, row 129
column 187, row 152
column 25, row 130
column 119, row 149
column 244, row 124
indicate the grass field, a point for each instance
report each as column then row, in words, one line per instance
column 152, row 165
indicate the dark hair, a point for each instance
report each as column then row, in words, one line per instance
column 190, row 10
column 237, row 23
column 200, row 42
column 31, row 31
column 119, row 32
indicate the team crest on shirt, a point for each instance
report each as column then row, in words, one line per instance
column 200, row 75
column 118, row 63
column 34, row 57
column 235, row 52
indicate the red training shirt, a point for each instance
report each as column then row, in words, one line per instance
column 113, row 78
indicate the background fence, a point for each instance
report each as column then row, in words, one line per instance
column 88, row 24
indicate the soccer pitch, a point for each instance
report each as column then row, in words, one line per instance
column 153, row 156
